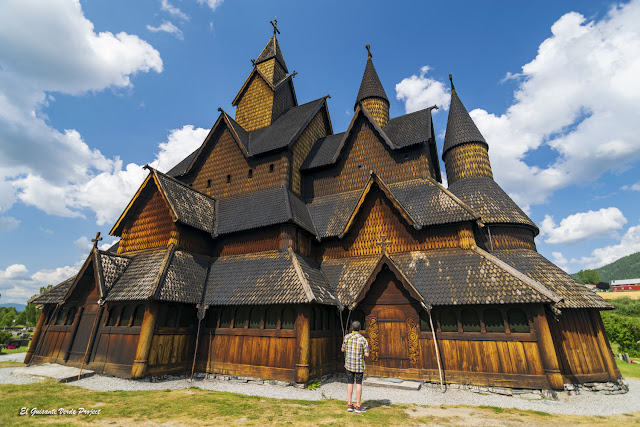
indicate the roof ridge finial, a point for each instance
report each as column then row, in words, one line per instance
column 453, row 88
column 368, row 51
column 275, row 26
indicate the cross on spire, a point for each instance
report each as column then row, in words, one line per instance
column 384, row 242
column 275, row 26
column 368, row 51
column 96, row 240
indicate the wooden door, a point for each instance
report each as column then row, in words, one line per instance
column 392, row 336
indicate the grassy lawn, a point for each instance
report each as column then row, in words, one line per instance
column 11, row 364
column 22, row 349
column 629, row 370
column 202, row 407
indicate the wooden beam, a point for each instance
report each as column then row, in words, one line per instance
column 546, row 348
column 303, row 343
column 141, row 361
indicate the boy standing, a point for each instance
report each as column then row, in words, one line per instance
column 355, row 348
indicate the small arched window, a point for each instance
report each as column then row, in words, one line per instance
column 126, row 315
column 255, row 319
column 113, row 315
column 240, row 319
column 138, row 315
column 425, row 324
column 49, row 318
column 448, row 320
column 62, row 315
column 71, row 315
column 493, row 321
column 226, row 317
column 271, row 168
column 228, row 179
column 208, row 183
column 189, row 316
column 211, row 318
column 518, row 322
column 250, row 173
column 271, row 318
column 470, row 321
column 288, row 318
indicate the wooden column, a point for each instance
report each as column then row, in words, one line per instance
column 605, row 348
column 36, row 336
column 97, row 323
column 141, row 361
column 547, row 349
column 303, row 343
column 72, row 336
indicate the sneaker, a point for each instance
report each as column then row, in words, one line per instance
column 350, row 408
column 360, row 410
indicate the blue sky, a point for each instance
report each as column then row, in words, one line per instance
column 92, row 90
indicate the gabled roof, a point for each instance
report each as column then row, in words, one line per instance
column 400, row 132
column 494, row 206
column 422, row 202
column 272, row 50
column 186, row 205
column 460, row 127
column 143, row 276
column 370, row 87
column 277, row 205
column 266, row 278
column 54, row 295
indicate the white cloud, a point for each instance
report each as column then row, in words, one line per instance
column 85, row 244
column 419, row 92
column 17, row 285
column 168, row 7
column 582, row 226
column 580, row 97
column 560, row 260
column 180, row 143
column 629, row 244
column 167, row 27
column 8, row 223
column 213, row 4
column 633, row 187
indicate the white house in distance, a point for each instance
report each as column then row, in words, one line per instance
column 625, row 285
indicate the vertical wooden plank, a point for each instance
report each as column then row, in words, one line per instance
column 612, row 368
column 141, row 361
column 35, row 340
column 303, row 344
column 547, row 348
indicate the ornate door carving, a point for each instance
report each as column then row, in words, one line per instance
column 374, row 348
column 414, row 345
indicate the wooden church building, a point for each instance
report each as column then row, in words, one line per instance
column 252, row 254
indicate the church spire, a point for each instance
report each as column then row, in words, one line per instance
column 270, row 61
column 372, row 95
column 465, row 151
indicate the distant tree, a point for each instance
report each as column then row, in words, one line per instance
column 8, row 318
column 3, row 311
column 603, row 285
column 21, row 318
column 32, row 312
column 588, row 277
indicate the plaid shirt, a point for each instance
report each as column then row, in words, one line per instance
column 354, row 346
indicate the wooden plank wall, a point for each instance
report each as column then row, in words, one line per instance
column 255, row 107
column 317, row 128
column 575, row 339
column 171, row 351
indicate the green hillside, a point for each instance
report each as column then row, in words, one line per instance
column 624, row 268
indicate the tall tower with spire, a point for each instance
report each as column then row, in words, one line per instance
column 268, row 91
column 372, row 95
column 465, row 152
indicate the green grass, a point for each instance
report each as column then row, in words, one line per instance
column 22, row 349
column 629, row 370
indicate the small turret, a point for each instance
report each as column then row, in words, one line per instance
column 372, row 95
column 465, row 152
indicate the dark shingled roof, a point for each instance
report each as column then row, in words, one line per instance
column 370, row 86
column 272, row 206
column 272, row 50
column 534, row 265
column 463, row 276
column 55, row 294
column 190, row 206
column 347, row 276
column 403, row 131
column 460, row 127
column 485, row 197
column 112, row 267
column 140, row 278
column 331, row 213
column 183, row 165
column 264, row 278
column 185, row 278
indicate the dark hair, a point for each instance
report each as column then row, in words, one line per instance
column 355, row 325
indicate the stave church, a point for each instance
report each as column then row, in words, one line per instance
column 252, row 255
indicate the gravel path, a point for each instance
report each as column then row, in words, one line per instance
column 14, row 357
column 587, row 403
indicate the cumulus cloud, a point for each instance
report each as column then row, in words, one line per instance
column 560, row 261
column 629, row 244
column 85, row 244
column 582, row 226
column 180, row 143
column 8, row 223
column 213, row 4
column 419, row 92
column 17, row 285
column 168, row 7
column 167, row 27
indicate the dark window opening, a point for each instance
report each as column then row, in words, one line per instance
column 226, row 317
column 288, row 318
column 126, row 316
column 312, row 320
column 113, row 316
column 240, row 319
column 211, row 318
column 62, row 316
column 425, row 324
column 448, row 321
column 189, row 317
column 518, row 321
column 493, row 320
column 317, row 315
column 228, row 179
column 470, row 321
column 359, row 316
column 256, row 318
column 208, row 183
column 71, row 315
column 271, row 168
column 138, row 316
column 250, row 173
column 271, row 318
